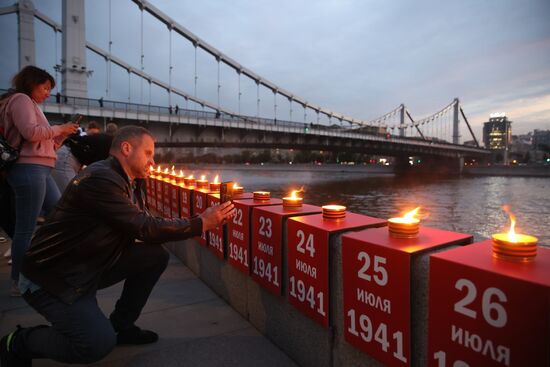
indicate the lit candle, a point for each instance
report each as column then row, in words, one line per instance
column 180, row 179
column 215, row 186
column 202, row 184
column 189, row 181
column 292, row 201
column 261, row 195
column 334, row 211
column 406, row 226
column 173, row 176
column 166, row 175
column 514, row 246
column 237, row 189
column 151, row 172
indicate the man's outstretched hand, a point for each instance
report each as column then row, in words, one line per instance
column 216, row 215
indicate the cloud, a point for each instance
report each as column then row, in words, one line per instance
column 361, row 58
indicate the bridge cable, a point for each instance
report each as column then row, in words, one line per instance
column 274, row 105
column 468, row 124
column 257, row 99
column 196, row 77
column 441, row 126
column 417, row 128
column 219, row 86
column 239, row 90
column 290, row 109
column 170, row 68
column 129, row 86
column 56, row 68
column 141, row 62
column 110, row 52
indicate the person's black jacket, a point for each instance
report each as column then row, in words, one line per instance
column 93, row 222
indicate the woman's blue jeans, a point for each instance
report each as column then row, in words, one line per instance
column 34, row 190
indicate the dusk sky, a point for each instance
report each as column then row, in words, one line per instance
column 361, row 58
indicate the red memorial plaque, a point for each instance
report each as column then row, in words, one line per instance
column 200, row 201
column 160, row 200
column 267, row 243
column 238, row 232
column 186, row 202
column 175, row 200
column 167, row 197
column 215, row 236
column 377, row 289
column 308, row 266
column 488, row 312
column 151, row 193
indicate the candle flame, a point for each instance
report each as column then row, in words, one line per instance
column 173, row 172
column 512, row 232
column 158, row 169
column 172, row 168
column 166, row 170
column 216, row 179
column 235, row 186
column 190, row 177
column 294, row 192
column 411, row 215
column 151, row 168
column 181, row 173
column 202, row 177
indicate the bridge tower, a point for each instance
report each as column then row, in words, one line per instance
column 456, row 132
column 25, row 22
column 402, row 120
column 73, row 63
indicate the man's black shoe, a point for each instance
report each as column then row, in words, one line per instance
column 135, row 335
column 7, row 357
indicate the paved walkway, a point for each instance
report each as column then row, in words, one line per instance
column 196, row 327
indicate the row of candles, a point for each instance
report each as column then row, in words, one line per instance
column 508, row 246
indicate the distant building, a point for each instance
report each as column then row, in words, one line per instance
column 541, row 139
column 497, row 136
column 497, row 132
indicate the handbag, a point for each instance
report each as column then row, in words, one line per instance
column 8, row 154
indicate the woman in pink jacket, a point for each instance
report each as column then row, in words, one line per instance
column 25, row 126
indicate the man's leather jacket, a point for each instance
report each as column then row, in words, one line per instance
column 99, row 214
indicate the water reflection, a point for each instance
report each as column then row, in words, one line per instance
column 469, row 205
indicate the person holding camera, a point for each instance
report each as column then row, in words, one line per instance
column 26, row 128
column 79, row 150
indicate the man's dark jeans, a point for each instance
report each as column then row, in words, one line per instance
column 80, row 332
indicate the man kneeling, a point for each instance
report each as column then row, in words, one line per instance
column 99, row 234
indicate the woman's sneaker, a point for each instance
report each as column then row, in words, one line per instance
column 7, row 357
column 14, row 290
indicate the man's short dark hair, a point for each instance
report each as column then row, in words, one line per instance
column 111, row 128
column 94, row 125
column 128, row 133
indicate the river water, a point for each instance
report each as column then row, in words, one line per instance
column 463, row 204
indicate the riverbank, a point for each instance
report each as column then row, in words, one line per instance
column 514, row 171
column 368, row 169
column 325, row 168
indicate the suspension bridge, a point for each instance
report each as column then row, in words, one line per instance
column 189, row 120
